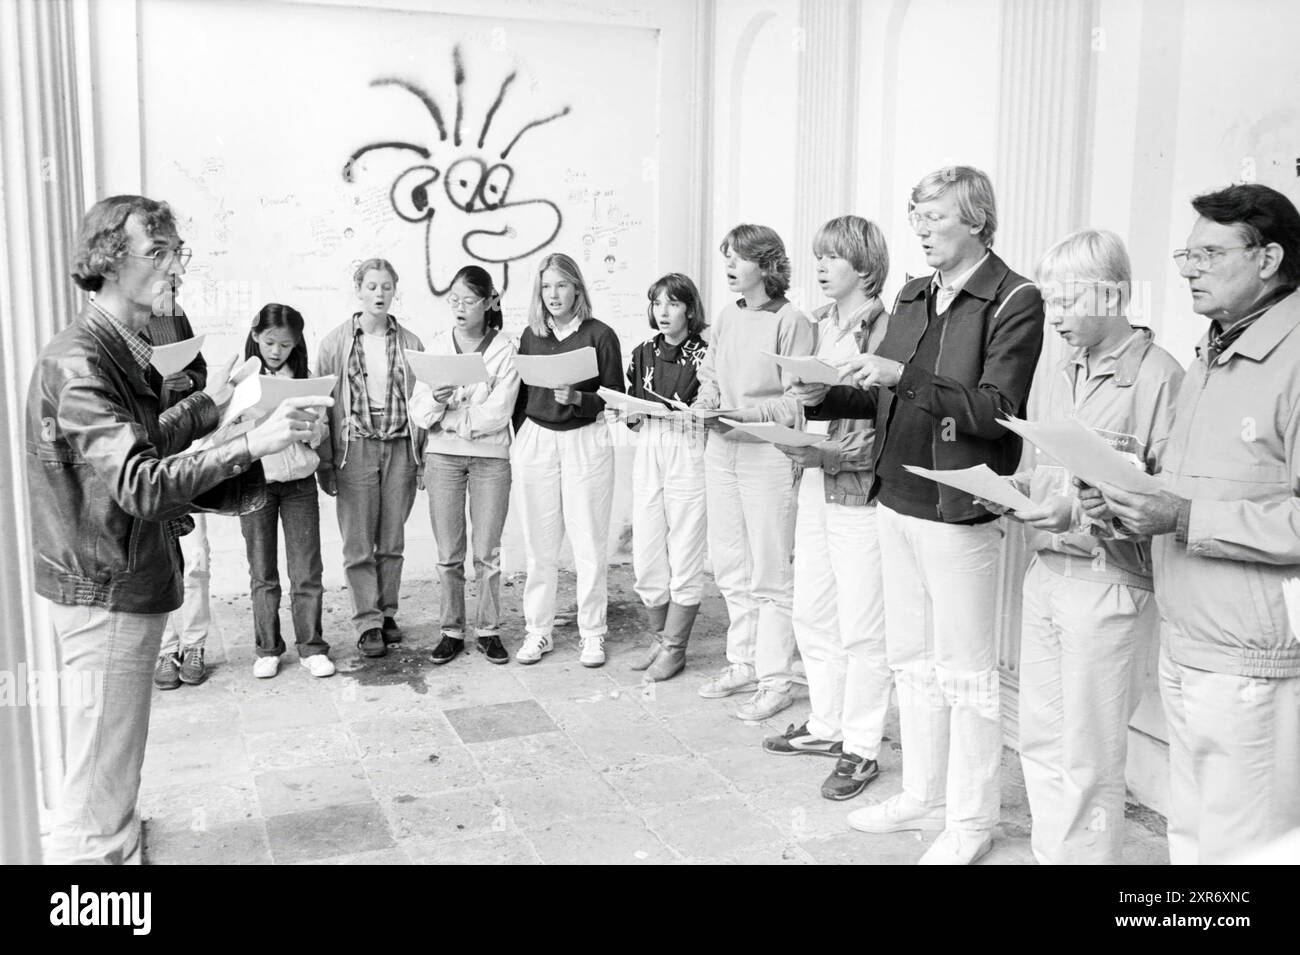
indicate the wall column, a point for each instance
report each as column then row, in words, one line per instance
column 41, row 200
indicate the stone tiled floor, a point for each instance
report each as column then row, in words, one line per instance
column 396, row 761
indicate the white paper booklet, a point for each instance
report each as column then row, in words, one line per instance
column 557, row 371
column 775, row 433
column 447, row 371
column 169, row 359
column 981, row 480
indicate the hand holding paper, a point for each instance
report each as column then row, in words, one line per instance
column 631, row 405
column 980, row 481
column 1083, row 453
column 775, row 433
column 558, row 371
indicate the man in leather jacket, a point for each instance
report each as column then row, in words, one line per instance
column 106, row 474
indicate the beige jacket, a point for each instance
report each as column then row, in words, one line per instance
column 1127, row 399
column 1235, row 452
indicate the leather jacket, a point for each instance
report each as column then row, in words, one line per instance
column 105, row 473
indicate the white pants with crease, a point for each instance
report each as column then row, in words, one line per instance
column 941, row 635
column 751, row 500
column 566, row 485
column 668, row 515
column 839, row 618
column 1079, row 645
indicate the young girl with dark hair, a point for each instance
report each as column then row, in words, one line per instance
column 668, row 514
column 276, row 340
column 467, row 453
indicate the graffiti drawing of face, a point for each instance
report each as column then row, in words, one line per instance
column 463, row 202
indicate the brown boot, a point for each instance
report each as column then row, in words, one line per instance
column 654, row 622
column 677, row 633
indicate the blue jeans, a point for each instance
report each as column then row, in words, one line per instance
column 487, row 481
column 376, row 491
column 294, row 504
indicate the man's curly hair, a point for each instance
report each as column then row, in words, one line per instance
column 102, row 241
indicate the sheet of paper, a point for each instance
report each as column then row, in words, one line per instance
column 807, row 369
column 982, row 481
column 557, row 371
column 169, row 359
column 697, row 412
column 446, row 371
column 777, row 433
column 1083, row 453
column 257, row 396
column 631, row 405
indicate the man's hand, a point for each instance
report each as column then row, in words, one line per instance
column 1146, row 513
column 567, row 395
column 811, row 457
column 180, row 382
column 328, row 482
column 867, row 371
column 809, row 393
column 292, row 421
column 1055, row 514
column 219, row 388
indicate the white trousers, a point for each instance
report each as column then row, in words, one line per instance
column 839, row 618
column 1234, row 762
column 668, row 515
column 941, row 635
column 751, row 499
column 188, row 627
column 566, row 485
column 1079, row 641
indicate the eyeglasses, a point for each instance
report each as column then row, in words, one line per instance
column 1203, row 259
column 162, row 257
column 468, row 301
column 931, row 220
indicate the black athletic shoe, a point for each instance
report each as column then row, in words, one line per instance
column 392, row 633
column 492, row 649
column 193, row 670
column 167, row 672
column 797, row 740
column 448, row 649
column 850, row 776
column 371, row 643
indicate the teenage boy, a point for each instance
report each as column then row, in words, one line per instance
column 959, row 354
column 1088, row 610
column 749, row 484
column 839, row 617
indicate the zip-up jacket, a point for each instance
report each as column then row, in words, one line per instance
column 475, row 421
column 991, row 339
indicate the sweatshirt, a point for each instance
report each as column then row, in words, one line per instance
column 539, row 404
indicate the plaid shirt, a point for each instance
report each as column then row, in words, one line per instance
column 391, row 421
column 142, row 352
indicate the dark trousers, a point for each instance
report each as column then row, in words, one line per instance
column 294, row 504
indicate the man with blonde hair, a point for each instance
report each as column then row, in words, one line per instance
column 959, row 354
column 1088, row 611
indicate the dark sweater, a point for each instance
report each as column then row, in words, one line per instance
column 667, row 370
column 539, row 404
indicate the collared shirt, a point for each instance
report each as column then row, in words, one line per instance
column 561, row 334
column 1086, row 374
column 835, row 340
column 773, row 304
column 946, row 292
column 140, row 349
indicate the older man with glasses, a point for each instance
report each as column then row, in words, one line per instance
column 1227, row 535
column 107, row 481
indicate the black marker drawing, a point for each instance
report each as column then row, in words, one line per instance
column 474, row 219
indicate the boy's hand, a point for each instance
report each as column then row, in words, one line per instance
column 809, row 393
column 1055, row 515
column 804, row 457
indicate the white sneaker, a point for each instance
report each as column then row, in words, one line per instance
column 266, row 667
column 958, row 847
column 897, row 814
column 593, row 651
column 317, row 664
column 764, row 703
column 736, row 678
column 533, row 649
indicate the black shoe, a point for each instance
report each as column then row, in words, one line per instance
column 371, row 643
column 492, row 649
column 796, row 741
column 448, row 649
column 850, row 777
column 167, row 673
column 392, row 634
column 193, row 672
